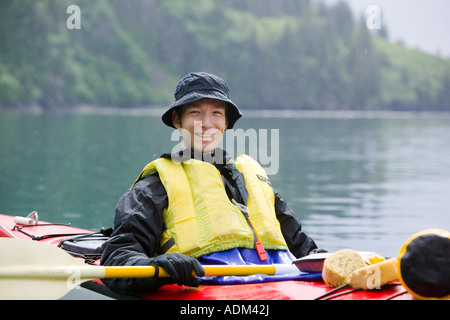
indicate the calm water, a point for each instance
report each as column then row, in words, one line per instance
column 361, row 183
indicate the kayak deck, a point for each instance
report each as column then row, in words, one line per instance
column 281, row 290
column 55, row 234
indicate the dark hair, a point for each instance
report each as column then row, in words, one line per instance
column 179, row 110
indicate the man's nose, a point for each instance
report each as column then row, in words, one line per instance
column 207, row 122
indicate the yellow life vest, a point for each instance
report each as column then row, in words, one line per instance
column 200, row 218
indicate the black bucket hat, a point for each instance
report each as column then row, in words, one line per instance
column 200, row 85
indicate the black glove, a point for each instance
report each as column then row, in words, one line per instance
column 180, row 267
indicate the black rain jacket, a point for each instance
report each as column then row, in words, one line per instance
column 139, row 223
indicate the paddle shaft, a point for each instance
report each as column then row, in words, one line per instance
column 149, row 271
column 94, row 272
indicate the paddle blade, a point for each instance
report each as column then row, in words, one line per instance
column 32, row 289
column 21, row 252
column 22, row 265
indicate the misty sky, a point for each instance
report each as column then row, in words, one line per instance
column 423, row 24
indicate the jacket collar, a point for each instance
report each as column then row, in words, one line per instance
column 218, row 157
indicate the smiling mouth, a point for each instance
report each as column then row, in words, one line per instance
column 205, row 136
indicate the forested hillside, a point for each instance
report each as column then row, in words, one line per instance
column 292, row 54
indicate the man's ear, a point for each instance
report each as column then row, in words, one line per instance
column 176, row 120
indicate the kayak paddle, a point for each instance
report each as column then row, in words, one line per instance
column 35, row 270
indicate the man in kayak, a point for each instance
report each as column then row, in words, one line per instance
column 199, row 206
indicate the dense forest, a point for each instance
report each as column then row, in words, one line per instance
column 290, row 54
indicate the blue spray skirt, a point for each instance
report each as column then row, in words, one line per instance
column 242, row 256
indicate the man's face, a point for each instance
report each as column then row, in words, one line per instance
column 203, row 123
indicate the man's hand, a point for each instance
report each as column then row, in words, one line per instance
column 180, row 267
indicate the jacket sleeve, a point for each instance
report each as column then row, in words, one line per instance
column 299, row 243
column 138, row 225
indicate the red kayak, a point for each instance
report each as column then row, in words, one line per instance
column 85, row 245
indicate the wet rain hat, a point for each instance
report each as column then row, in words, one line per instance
column 200, row 85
